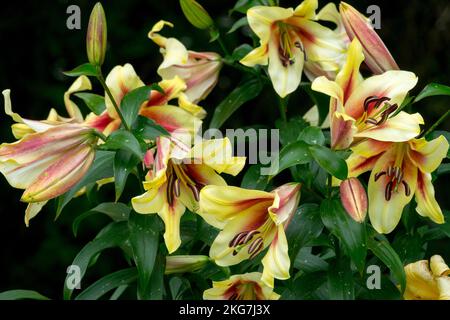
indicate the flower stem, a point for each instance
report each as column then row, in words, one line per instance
column 440, row 120
column 282, row 105
column 102, row 81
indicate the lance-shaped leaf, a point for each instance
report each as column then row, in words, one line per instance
column 94, row 102
column 351, row 234
column 144, row 240
column 133, row 101
column 86, row 69
column 21, row 295
column 433, row 89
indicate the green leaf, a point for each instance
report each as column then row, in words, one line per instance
column 243, row 5
column 445, row 227
column 123, row 140
column 312, row 135
column 94, row 102
column 304, row 287
column 253, row 179
column 146, row 128
column 21, row 294
column 305, row 226
column 308, row 262
column 340, row 280
column 242, row 22
column 330, row 161
column 350, row 233
column 178, row 286
column 433, row 89
column 294, row 154
column 113, row 235
column 133, row 101
column 383, row 250
column 144, row 240
column 124, row 163
column 101, row 168
column 86, row 69
column 289, row 131
column 108, row 283
column 115, row 210
column 410, row 248
column 245, row 91
column 241, row 51
column 156, row 287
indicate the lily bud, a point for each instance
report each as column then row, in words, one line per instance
column 377, row 56
column 96, row 36
column 196, row 14
column 354, row 199
column 180, row 264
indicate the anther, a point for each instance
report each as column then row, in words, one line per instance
column 407, row 188
column 379, row 175
column 237, row 239
column 250, row 235
column 176, row 188
column 194, row 192
column 388, row 191
column 255, row 247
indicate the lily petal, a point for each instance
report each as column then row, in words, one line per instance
column 261, row 18
column 82, row 83
column 276, row 261
column 349, row 77
column 219, row 204
column 427, row 205
column 420, row 283
column 428, row 155
column 402, row 127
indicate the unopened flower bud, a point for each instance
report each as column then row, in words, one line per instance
column 377, row 56
column 196, row 14
column 354, row 199
column 96, row 36
column 185, row 263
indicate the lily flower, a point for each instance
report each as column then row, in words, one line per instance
column 399, row 172
column 288, row 38
column 378, row 57
column 174, row 182
column 366, row 108
column 246, row 286
column 200, row 70
column 313, row 69
column 251, row 220
column 427, row 281
column 47, row 164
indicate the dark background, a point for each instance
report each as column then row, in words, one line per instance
column 36, row 46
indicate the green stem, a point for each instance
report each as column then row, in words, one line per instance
column 102, row 81
column 282, row 105
column 440, row 120
column 330, row 185
column 222, row 45
column 100, row 135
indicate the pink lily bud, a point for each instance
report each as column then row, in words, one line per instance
column 377, row 56
column 354, row 199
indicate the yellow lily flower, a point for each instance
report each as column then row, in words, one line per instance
column 365, row 108
column 288, row 38
column 246, row 286
column 399, row 171
column 251, row 220
column 175, row 180
column 378, row 57
column 200, row 70
column 427, row 281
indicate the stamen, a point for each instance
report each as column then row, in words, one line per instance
column 255, row 247
column 388, row 191
column 390, row 171
column 195, row 192
column 234, row 296
column 176, row 188
column 379, row 175
column 372, row 121
column 237, row 239
column 170, row 189
column 250, row 235
column 407, row 188
column 368, row 100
